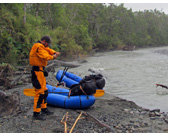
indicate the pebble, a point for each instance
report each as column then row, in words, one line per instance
column 126, row 110
column 124, row 119
column 153, row 118
column 131, row 121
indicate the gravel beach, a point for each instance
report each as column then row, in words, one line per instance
column 108, row 114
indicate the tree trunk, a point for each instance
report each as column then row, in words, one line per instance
column 37, row 9
column 25, row 9
column 50, row 16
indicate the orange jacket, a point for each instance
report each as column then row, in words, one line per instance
column 39, row 55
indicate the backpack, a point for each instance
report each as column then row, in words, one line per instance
column 88, row 85
column 98, row 79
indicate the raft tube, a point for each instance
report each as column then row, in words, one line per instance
column 68, row 78
column 59, row 97
column 71, row 79
column 57, row 90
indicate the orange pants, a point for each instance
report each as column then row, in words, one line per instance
column 41, row 93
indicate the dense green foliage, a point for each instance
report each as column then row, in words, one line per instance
column 77, row 28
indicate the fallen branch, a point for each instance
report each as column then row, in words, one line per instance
column 14, row 82
column 64, row 121
column 163, row 86
column 56, row 63
column 97, row 121
column 75, row 122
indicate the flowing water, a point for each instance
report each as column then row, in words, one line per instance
column 133, row 75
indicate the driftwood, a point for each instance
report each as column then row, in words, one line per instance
column 64, row 121
column 15, row 82
column 129, row 48
column 10, row 78
column 163, row 86
column 87, row 115
column 93, row 52
column 52, row 64
column 57, row 63
column 78, row 118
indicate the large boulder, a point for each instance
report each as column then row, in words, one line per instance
column 9, row 103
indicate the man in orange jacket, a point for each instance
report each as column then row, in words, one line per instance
column 39, row 55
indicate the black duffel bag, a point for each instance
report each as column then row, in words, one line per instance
column 86, row 88
column 98, row 79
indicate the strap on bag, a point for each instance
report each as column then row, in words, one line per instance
column 81, row 90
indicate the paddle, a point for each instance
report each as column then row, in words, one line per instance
column 31, row 92
column 64, row 72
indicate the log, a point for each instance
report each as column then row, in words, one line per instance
column 14, row 82
column 56, row 63
column 86, row 114
column 163, row 86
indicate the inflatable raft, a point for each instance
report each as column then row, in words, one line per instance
column 59, row 97
column 69, row 78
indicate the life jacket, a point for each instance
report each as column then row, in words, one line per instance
column 39, row 55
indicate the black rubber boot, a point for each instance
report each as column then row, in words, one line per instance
column 47, row 112
column 38, row 116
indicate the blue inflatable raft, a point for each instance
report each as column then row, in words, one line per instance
column 68, row 78
column 59, row 96
column 71, row 79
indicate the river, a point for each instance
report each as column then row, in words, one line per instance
column 133, row 75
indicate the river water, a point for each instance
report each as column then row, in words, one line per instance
column 133, row 75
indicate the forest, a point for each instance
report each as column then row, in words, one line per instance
column 77, row 29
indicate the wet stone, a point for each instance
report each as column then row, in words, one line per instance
column 155, row 110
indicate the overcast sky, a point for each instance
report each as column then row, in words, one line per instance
column 147, row 6
column 136, row 6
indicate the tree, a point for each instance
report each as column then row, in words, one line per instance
column 77, row 28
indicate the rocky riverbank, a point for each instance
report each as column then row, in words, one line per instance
column 108, row 114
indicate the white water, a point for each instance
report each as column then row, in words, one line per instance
column 133, row 75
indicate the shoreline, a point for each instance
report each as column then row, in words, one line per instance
column 119, row 114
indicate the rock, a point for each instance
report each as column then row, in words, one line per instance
column 146, row 109
column 153, row 118
column 165, row 130
column 96, row 70
column 9, row 103
column 157, row 114
column 131, row 121
column 155, row 110
column 151, row 114
column 162, row 51
column 126, row 110
column 82, row 61
column 143, row 112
